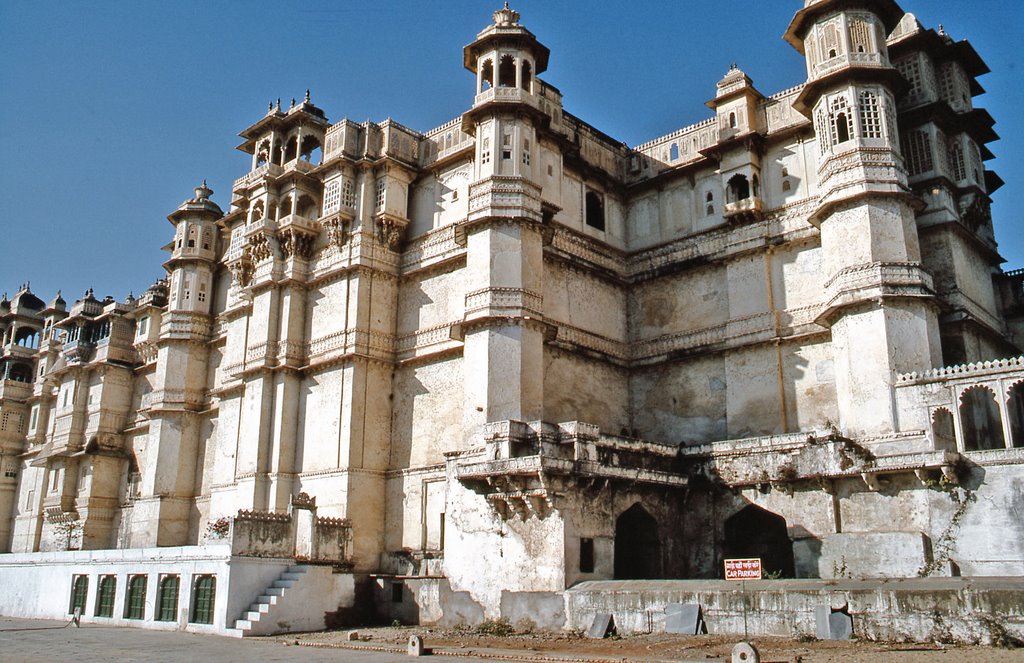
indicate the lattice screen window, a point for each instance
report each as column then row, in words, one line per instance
column 348, row 193
column 870, row 117
column 831, row 45
column 860, row 36
column 485, row 150
column 910, row 68
column 332, row 197
column 917, row 150
column 381, row 188
column 823, row 131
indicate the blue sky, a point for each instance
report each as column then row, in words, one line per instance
column 112, row 111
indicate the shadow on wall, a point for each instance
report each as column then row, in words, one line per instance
column 431, row 602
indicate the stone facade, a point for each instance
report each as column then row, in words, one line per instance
column 514, row 353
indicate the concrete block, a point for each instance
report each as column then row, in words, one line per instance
column 685, row 618
column 602, row 625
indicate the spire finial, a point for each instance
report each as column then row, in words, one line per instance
column 270, row 106
column 279, row 103
column 942, row 30
column 307, row 96
column 506, row 16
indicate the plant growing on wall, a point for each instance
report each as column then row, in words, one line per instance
column 218, row 529
column 68, row 535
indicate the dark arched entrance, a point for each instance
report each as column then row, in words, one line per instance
column 637, row 546
column 755, row 532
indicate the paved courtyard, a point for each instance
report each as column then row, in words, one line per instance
column 44, row 641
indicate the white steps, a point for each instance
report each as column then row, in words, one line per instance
column 259, row 612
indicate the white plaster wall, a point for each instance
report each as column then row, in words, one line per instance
column 683, row 402
column 427, row 414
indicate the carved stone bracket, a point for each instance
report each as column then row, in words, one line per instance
column 295, row 243
column 338, row 231
column 390, row 229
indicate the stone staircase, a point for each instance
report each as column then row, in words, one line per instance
column 257, row 620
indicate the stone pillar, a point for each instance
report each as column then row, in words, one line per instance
column 504, row 331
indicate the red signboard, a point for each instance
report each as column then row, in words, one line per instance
column 743, row 569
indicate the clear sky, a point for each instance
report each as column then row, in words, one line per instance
column 112, row 111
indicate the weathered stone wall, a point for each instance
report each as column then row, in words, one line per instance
column 939, row 610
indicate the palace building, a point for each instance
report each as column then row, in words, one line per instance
column 447, row 376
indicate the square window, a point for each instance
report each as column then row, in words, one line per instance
column 397, row 592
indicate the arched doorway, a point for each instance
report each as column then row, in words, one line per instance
column 637, row 546
column 755, row 532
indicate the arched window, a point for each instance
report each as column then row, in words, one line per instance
column 594, row 210
column 167, row 599
column 979, row 418
column 1015, row 409
column 291, row 149
column 486, row 75
column 79, row 592
column 311, row 150
column 842, row 121
column 756, row 182
column 306, row 207
column 105, row 596
column 262, row 153
column 204, row 596
column 673, row 152
column 737, row 189
column 135, row 599
column 943, row 434
column 870, row 117
column 732, row 120
column 787, row 186
column 507, row 71
column 756, row 532
column 710, row 200
column 637, row 545
column 527, row 75
column 257, row 211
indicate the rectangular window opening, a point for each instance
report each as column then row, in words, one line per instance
column 586, row 555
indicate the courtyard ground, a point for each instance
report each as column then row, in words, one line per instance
column 473, row 644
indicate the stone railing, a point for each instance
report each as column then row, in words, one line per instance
column 15, row 390
column 299, row 534
column 271, row 169
column 963, row 371
column 975, row 407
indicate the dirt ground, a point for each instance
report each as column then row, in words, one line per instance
column 658, row 647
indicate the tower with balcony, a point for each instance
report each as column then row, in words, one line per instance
column 878, row 296
column 943, row 140
column 163, row 508
column 503, row 325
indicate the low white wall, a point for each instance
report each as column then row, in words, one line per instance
column 39, row 584
column 305, row 605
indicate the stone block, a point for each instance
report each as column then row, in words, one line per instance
column 416, row 647
column 685, row 619
column 602, row 625
column 832, row 624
